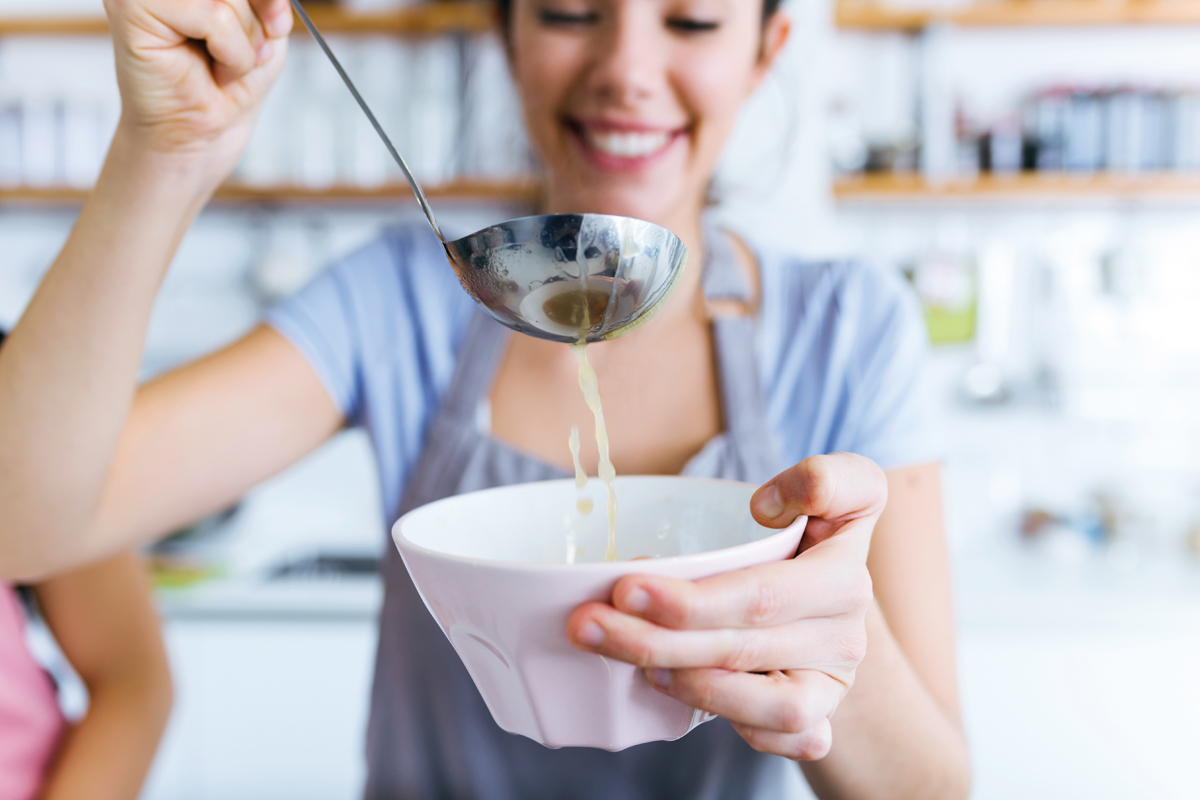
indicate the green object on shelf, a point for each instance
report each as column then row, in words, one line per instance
column 168, row 573
column 950, row 325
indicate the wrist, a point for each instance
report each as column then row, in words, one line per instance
column 196, row 168
column 179, row 179
column 147, row 195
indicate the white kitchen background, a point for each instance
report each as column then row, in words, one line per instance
column 1072, row 413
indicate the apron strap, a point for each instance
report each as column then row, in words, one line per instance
column 722, row 278
column 479, row 356
column 743, row 404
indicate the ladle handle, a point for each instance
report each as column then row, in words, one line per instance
column 412, row 181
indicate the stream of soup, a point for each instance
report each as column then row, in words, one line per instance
column 583, row 504
column 591, row 393
column 577, row 309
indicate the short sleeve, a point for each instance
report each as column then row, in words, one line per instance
column 892, row 422
column 843, row 351
column 381, row 328
column 352, row 312
column 319, row 321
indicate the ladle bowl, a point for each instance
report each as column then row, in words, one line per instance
column 567, row 277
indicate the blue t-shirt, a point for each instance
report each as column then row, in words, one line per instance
column 841, row 350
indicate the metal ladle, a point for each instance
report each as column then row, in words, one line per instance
column 563, row 277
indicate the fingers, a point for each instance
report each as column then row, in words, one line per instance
column 231, row 30
column 834, row 487
column 833, row 645
column 790, row 702
column 812, row 745
column 275, row 15
column 820, row 583
column 233, row 39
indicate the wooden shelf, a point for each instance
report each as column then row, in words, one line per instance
column 53, row 26
column 871, row 16
column 1024, row 186
column 421, row 19
column 867, row 16
column 509, row 191
column 235, row 193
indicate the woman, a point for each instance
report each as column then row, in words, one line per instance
column 757, row 361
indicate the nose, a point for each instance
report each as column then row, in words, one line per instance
column 630, row 60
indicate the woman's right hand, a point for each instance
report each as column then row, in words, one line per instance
column 193, row 74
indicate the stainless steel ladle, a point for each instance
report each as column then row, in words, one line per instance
column 563, row 277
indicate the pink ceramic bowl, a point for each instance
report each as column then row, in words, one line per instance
column 492, row 567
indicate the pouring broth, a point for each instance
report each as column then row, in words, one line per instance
column 583, row 504
column 590, row 385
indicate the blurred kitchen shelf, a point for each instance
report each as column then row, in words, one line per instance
column 512, row 191
column 507, row 191
column 1019, row 13
column 1024, row 186
column 430, row 18
column 1023, row 586
column 53, row 26
column 876, row 17
column 419, row 19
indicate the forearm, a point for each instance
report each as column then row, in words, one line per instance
column 890, row 737
column 104, row 620
column 107, row 754
column 68, row 371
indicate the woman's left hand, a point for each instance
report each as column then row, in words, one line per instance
column 772, row 648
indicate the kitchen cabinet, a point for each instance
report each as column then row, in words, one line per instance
column 270, row 702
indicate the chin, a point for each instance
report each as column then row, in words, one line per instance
column 648, row 202
column 615, row 204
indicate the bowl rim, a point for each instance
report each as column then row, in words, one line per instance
column 403, row 543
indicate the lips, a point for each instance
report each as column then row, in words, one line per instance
column 623, row 146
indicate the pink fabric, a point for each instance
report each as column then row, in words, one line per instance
column 31, row 723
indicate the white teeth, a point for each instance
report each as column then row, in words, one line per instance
column 628, row 145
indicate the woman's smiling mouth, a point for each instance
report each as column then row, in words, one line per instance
column 622, row 147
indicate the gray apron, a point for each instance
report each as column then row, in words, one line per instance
column 430, row 735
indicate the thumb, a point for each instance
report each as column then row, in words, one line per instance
column 830, row 490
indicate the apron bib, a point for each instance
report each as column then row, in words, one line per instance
column 430, row 735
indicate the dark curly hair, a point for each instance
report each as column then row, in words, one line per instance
column 504, row 9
